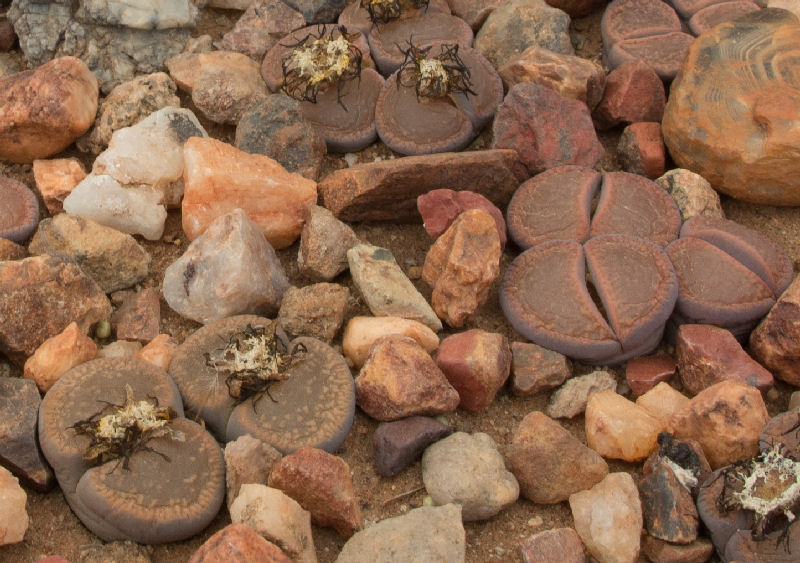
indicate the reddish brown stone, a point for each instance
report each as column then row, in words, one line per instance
column 560, row 545
column 477, row 364
column 642, row 374
column 397, row 444
column 324, row 242
column 262, row 24
column 43, row 110
column 633, row 93
column 11, row 251
column 139, row 317
column 668, row 507
column 545, row 129
column 535, row 369
column 659, row 551
column 321, row 483
column 237, row 542
column 7, row 35
column 439, row 208
column 775, row 342
column 400, row 379
column 388, row 190
column 707, row 354
column 641, row 149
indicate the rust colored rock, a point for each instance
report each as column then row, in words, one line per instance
column 668, row 507
column 20, row 210
column 477, row 364
column 42, row 111
column 11, row 251
column 572, row 77
column 659, row 551
column 158, row 351
column 237, row 542
column 55, row 180
column 641, row 149
column 320, row 482
column 439, row 208
column 400, row 379
column 559, row 545
column 262, row 24
column 743, row 154
column 39, row 297
column 314, row 310
column 535, row 369
column 388, row 190
column 397, row 444
column 545, row 129
column 324, row 242
column 775, row 342
column 726, row 419
column 707, row 354
column 57, row 355
column 462, row 265
column 706, row 18
column 139, row 317
column 633, row 93
column 220, row 178
column 642, row 374
column 619, row 429
column 549, row 462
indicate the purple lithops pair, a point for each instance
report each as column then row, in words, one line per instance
column 599, row 285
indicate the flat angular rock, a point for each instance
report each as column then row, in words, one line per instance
column 641, row 149
column 439, row 208
column 549, row 462
column 659, row 551
column 397, row 444
column 558, row 545
column 57, row 355
column 263, row 23
column 20, row 211
column 112, row 258
column 316, row 310
column 273, row 198
column 633, row 93
column 385, row 288
column 150, row 152
column 427, row 533
column 468, row 469
column 514, row 26
column 362, row 332
column 233, row 249
column 223, row 84
column 55, row 179
column 39, row 297
column 238, row 542
column 127, row 104
column 247, row 460
column 572, row 77
column 388, row 190
column 608, row 518
column 619, row 429
column 462, row 265
column 663, row 53
column 716, row 143
column 565, row 136
column 642, row 374
column 139, row 317
column 42, row 111
column 136, row 211
column 400, row 379
column 14, row 521
column 477, row 363
column 707, row 354
column 662, row 401
column 324, row 242
column 692, row 193
column 726, row 419
column 535, row 369
column 321, row 483
column 570, row 399
column 277, row 518
column 774, row 341
column 275, row 127
column 668, row 507
column 19, row 451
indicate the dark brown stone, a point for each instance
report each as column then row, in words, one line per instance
column 535, row 369
column 641, row 149
column 642, row 374
column 659, row 551
column 139, row 317
column 7, row 35
column 388, row 190
column 560, row 545
column 668, row 507
column 397, row 444
column 237, row 542
column 774, row 340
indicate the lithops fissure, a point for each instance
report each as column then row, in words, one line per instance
column 166, row 485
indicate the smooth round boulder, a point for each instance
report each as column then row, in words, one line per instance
column 733, row 114
column 167, row 490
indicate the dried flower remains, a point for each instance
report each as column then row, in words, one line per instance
column 253, row 360
column 319, row 61
column 434, row 76
column 119, row 431
column 384, row 11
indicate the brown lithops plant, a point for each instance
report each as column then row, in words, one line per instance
column 20, row 214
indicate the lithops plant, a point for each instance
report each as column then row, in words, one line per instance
column 242, row 376
column 20, row 214
column 321, row 66
column 130, row 466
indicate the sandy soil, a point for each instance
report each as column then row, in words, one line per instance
column 55, row 530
